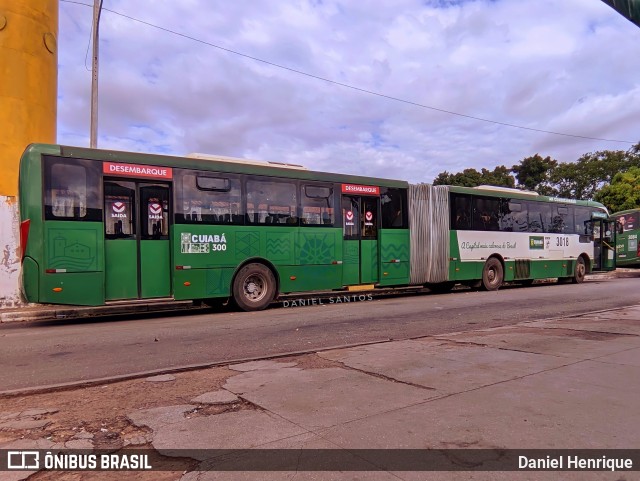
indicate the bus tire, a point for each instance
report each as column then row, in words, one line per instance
column 492, row 274
column 254, row 287
column 579, row 271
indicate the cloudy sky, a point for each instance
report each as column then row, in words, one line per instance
column 354, row 86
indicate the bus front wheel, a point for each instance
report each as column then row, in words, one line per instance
column 492, row 275
column 579, row 271
column 254, row 287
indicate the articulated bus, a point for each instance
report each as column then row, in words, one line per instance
column 628, row 228
column 100, row 227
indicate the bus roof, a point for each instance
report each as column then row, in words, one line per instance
column 506, row 192
column 625, row 212
column 264, row 163
column 506, row 189
column 207, row 164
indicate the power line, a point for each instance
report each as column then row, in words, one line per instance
column 352, row 87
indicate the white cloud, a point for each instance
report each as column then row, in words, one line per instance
column 562, row 66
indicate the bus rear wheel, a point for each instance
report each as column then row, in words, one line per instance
column 254, row 287
column 580, row 271
column 492, row 275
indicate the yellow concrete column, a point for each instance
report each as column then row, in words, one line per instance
column 28, row 81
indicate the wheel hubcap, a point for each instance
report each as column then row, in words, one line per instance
column 254, row 288
column 491, row 276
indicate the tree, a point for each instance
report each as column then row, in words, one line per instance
column 500, row 176
column 534, row 173
column 581, row 180
column 563, row 179
column 591, row 172
column 466, row 178
column 623, row 193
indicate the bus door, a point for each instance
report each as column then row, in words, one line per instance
column 360, row 248
column 604, row 244
column 137, row 249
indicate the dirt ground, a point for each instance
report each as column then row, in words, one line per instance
column 70, row 416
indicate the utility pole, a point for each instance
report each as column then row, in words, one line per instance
column 97, row 7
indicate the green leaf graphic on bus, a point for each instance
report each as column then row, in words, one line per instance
column 315, row 250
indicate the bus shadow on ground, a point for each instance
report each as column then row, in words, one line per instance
column 125, row 317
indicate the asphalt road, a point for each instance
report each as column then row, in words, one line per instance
column 47, row 353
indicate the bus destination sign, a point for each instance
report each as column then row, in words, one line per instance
column 133, row 170
column 360, row 189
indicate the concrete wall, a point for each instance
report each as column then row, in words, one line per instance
column 9, row 252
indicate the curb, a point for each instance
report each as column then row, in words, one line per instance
column 48, row 312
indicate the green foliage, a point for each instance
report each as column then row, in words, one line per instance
column 500, row 176
column 592, row 171
column 587, row 178
column 623, row 193
column 533, row 173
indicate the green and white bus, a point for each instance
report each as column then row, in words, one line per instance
column 628, row 229
column 505, row 234
column 100, row 227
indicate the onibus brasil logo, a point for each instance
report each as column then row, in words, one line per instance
column 33, row 460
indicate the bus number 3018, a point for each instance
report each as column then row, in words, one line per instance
column 562, row 241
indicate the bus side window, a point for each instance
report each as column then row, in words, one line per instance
column 72, row 190
column 514, row 216
column 317, row 206
column 273, row 200
column 562, row 221
column 460, row 212
column 208, row 198
column 393, row 204
column 485, row 214
column 583, row 223
column 539, row 217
